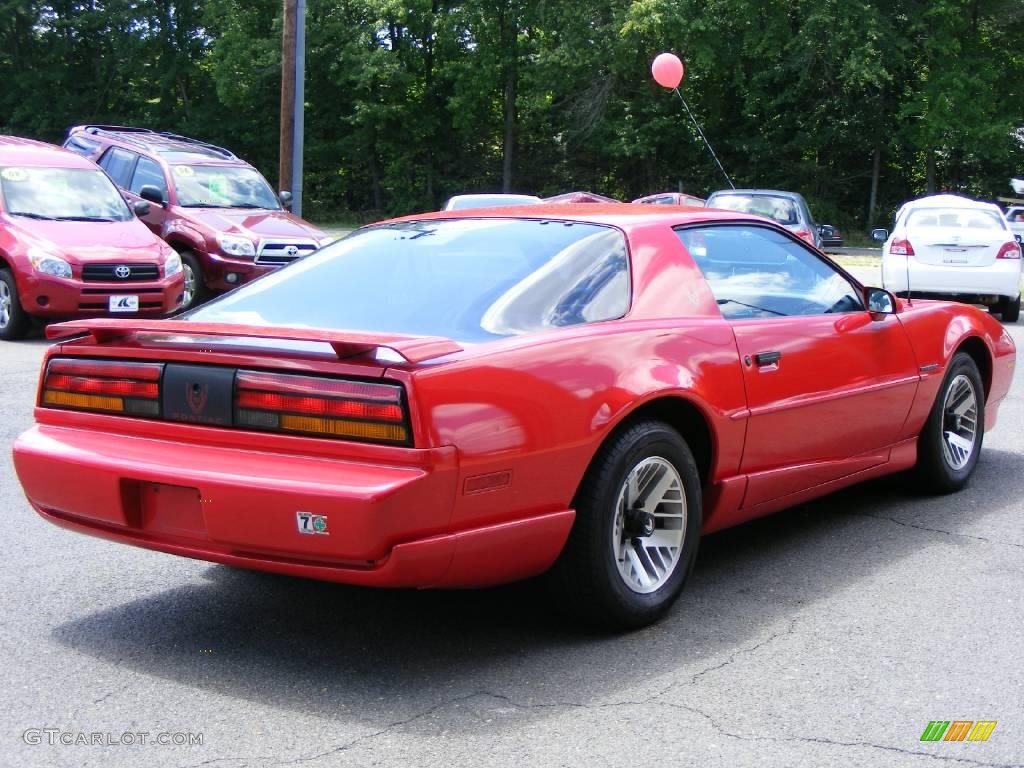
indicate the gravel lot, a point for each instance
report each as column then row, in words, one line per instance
column 830, row 634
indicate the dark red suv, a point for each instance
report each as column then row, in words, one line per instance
column 213, row 208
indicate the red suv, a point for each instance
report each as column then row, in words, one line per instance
column 214, row 209
column 70, row 246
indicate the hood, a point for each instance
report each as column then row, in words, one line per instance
column 84, row 241
column 255, row 224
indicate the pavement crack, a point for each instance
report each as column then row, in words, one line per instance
column 744, row 651
column 905, row 524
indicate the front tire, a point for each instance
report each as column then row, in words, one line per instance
column 14, row 320
column 195, row 291
column 638, row 521
column 951, row 440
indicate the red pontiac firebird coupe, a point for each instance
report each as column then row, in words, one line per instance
column 463, row 399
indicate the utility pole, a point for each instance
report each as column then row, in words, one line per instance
column 287, row 145
column 299, row 131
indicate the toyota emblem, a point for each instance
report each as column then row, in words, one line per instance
column 292, row 251
column 122, row 271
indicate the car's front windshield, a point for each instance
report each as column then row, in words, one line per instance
column 781, row 209
column 222, row 186
column 468, row 279
column 61, row 194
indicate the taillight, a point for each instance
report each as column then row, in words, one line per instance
column 103, row 385
column 311, row 405
column 805, row 234
column 901, row 248
column 1009, row 251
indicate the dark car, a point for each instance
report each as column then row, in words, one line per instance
column 787, row 208
column 831, row 237
column 213, row 208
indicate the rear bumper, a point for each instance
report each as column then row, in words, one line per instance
column 54, row 297
column 999, row 279
column 386, row 524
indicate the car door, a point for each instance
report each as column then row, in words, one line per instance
column 828, row 385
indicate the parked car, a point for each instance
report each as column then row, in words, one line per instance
column 583, row 390
column 787, row 208
column 579, row 197
column 1015, row 218
column 70, row 246
column 213, row 208
column 671, row 198
column 495, row 200
column 831, row 237
column 949, row 246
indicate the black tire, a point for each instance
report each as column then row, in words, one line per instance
column 14, row 320
column 200, row 293
column 1010, row 309
column 587, row 577
column 936, row 468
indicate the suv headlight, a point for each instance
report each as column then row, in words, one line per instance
column 236, row 246
column 172, row 264
column 49, row 264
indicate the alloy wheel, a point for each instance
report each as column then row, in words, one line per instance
column 6, row 301
column 650, row 525
column 959, row 422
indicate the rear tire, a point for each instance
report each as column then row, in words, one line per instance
column 950, row 443
column 14, row 320
column 638, row 522
column 1010, row 309
column 195, row 291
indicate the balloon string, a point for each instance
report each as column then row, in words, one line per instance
column 706, row 142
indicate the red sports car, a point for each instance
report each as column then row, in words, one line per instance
column 461, row 399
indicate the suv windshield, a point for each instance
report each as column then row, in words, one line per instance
column 781, row 209
column 63, row 194
column 221, row 186
column 467, row 279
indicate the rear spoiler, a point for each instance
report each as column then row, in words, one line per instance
column 413, row 349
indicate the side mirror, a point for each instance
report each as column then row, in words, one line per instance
column 141, row 208
column 879, row 235
column 1019, row 238
column 152, row 194
column 880, row 302
column 286, row 198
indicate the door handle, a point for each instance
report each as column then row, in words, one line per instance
column 767, row 358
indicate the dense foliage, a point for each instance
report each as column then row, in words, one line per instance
column 409, row 103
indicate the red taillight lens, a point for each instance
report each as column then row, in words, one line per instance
column 312, row 405
column 901, row 248
column 1009, row 251
column 103, row 385
column 805, row 234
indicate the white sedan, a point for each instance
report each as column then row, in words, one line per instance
column 948, row 246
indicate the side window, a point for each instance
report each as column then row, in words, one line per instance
column 666, row 200
column 148, row 172
column 756, row 272
column 81, row 146
column 119, row 163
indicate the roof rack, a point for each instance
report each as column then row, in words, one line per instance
column 188, row 140
column 139, row 136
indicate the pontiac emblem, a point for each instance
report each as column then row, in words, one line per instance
column 122, row 271
column 195, row 396
column 292, row 251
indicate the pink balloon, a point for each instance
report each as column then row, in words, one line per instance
column 667, row 70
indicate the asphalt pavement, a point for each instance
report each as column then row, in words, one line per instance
column 827, row 635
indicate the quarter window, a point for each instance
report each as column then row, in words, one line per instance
column 757, row 272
